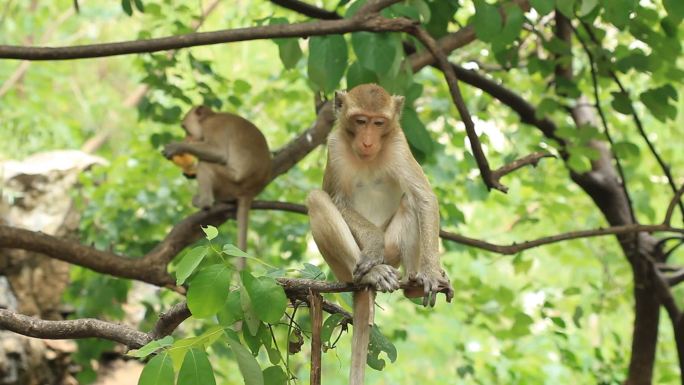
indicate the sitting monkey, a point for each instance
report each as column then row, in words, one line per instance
column 233, row 160
column 376, row 210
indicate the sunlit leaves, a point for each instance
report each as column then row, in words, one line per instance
column 158, row 371
column 208, row 291
column 327, row 61
column 196, row 369
column 210, row 231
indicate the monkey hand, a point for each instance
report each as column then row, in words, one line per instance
column 433, row 281
column 171, row 149
column 369, row 259
column 384, row 278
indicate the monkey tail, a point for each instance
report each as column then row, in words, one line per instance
column 243, row 206
column 363, row 321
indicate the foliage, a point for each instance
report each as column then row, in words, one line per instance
column 550, row 315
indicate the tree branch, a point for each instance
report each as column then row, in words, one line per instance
column 366, row 19
column 307, row 9
column 452, row 82
column 81, row 328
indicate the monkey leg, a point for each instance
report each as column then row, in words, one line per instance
column 402, row 238
column 339, row 249
column 332, row 235
column 205, row 187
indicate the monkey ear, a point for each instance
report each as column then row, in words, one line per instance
column 338, row 101
column 202, row 111
column 398, row 102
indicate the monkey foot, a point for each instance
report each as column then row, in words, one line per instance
column 384, row 278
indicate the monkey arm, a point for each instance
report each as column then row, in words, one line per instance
column 203, row 151
column 430, row 274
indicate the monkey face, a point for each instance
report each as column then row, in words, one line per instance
column 367, row 133
column 192, row 123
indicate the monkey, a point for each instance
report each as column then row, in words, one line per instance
column 233, row 161
column 376, row 210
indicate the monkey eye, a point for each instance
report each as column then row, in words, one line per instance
column 361, row 120
column 379, row 122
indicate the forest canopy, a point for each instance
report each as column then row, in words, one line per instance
column 549, row 130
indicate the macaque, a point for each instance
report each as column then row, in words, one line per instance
column 376, row 210
column 233, row 161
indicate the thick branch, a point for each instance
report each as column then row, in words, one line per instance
column 82, row 328
column 367, row 19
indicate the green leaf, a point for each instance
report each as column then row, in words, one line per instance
column 378, row 344
column 621, row 103
column 416, row 133
column 210, row 231
column 572, row 291
column 543, row 7
column 253, row 342
column 179, row 348
column 208, row 291
column 274, row 375
column 626, row 150
column 329, row 325
column 674, row 8
column 358, row 75
column 512, row 26
column 521, row 325
column 442, row 12
column 327, row 61
column 249, row 316
column 232, row 250
column 189, row 263
column 312, row 272
column 159, row 371
column 617, row 11
column 267, row 297
column 577, row 316
column 151, row 347
column 566, row 7
column 657, row 100
column 126, row 5
column 232, row 310
column 139, row 5
column 521, row 266
column 376, row 51
column 196, row 369
column 586, row 7
column 487, row 21
column 288, row 48
column 248, row 365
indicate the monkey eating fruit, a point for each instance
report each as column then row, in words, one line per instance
column 376, row 210
column 233, row 161
column 187, row 163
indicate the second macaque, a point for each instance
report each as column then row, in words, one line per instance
column 233, row 161
column 376, row 210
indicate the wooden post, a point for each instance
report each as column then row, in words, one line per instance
column 316, row 309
